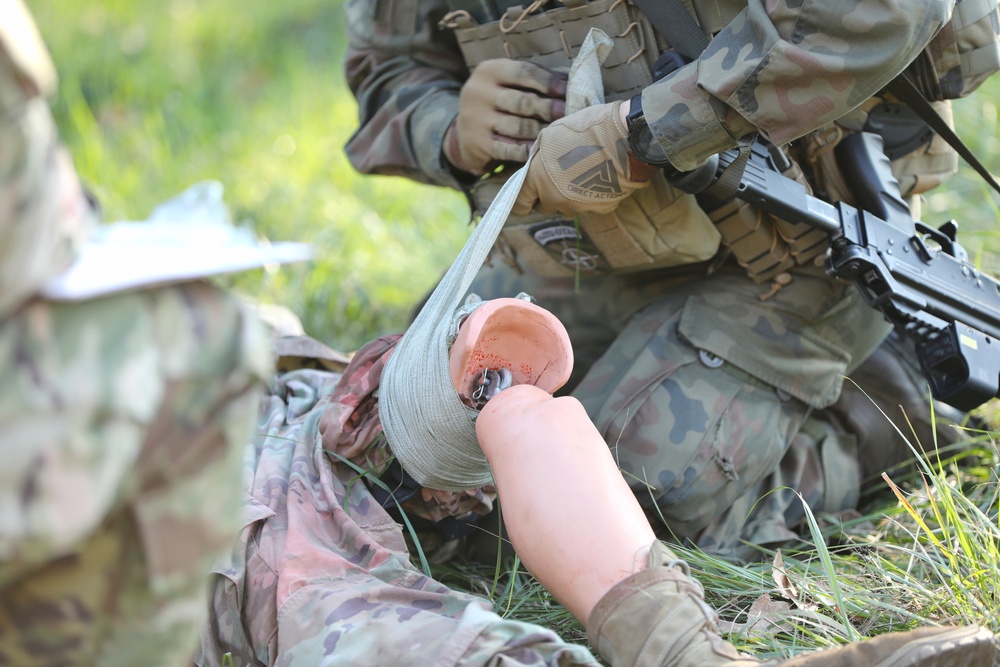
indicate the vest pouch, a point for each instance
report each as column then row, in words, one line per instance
column 657, row 227
column 917, row 171
column 964, row 53
column 753, row 239
column 666, row 228
column 552, row 36
column 804, row 242
column 929, row 165
column 765, row 245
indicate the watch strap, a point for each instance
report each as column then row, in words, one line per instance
column 634, row 111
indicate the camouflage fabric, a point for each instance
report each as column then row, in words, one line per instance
column 351, row 429
column 710, row 397
column 122, row 419
column 406, row 74
column 38, row 231
column 321, row 573
column 121, row 422
column 786, row 68
column 712, row 390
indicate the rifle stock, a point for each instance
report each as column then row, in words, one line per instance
column 919, row 277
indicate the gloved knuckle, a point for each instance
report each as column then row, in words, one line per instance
column 528, row 128
column 525, row 106
column 512, row 152
column 491, row 66
column 530, row 72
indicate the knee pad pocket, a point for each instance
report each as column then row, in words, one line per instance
column 690, row 435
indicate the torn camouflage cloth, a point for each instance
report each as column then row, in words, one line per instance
column 321, row 571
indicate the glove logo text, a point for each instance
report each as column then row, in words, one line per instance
column 598, row 182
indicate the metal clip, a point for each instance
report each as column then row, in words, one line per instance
column 489, row 384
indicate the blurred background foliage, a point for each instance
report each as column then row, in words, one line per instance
column 155, row 96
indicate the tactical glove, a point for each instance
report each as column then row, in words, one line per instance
column 582, row 164
column 502, row 107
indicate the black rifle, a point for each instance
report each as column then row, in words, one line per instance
column 918, row 276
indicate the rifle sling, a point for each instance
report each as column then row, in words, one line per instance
column 907, row 93
column 674, row 22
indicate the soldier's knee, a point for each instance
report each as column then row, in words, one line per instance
column 698, row 439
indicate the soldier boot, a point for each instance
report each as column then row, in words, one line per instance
column 658, row 618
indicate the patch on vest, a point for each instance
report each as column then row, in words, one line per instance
column 565, row 243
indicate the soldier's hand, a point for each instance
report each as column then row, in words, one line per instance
column 502, row 107
column 581, row 164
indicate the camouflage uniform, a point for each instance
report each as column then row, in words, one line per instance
column 321, row 573
column 710, row 395
column 121, row 418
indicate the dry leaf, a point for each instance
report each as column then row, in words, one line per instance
column 765, row 618
column 785, row 586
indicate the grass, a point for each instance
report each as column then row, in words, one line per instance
column 929, row 558
column 155, row 96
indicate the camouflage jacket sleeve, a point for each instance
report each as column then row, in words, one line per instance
column 43, row 213
column 406, row 75
column 786, row 67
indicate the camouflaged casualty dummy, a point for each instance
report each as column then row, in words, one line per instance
column 711, row 346
column 321, row 573
column 122, row 418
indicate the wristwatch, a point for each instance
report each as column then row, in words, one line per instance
column 641, row 141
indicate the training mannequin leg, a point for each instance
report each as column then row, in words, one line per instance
column 583, row 535
column 571, row 517
column 515, row 336
column 580, row 531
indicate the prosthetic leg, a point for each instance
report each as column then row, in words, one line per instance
column 579, row 530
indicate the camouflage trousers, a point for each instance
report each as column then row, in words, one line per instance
column 122, row 423
column 321, row 575
column 721, row 407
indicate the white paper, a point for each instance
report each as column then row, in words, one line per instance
column 186, row 238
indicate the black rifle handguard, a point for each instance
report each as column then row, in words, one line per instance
column 919, row 277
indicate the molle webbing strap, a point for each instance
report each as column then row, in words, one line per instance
column 553, row 37
column 764, row 245
column 753, row 240
column 674, row 22
column 805, row 241
column 907, row 93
